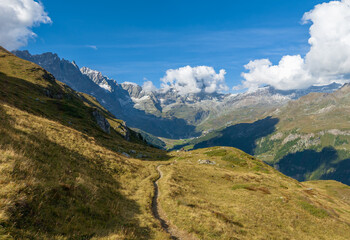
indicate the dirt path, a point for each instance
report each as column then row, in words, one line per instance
column 175, row 233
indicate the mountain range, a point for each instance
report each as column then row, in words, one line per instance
column 173, row 115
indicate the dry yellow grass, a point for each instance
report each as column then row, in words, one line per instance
column 241, row 198
column 58, row 183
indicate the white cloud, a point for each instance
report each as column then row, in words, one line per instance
column 288, row 74
column 194, row 80
column 148, row 86
column 17, row 17
column 92, row 47
column 327, row 61
column 329, row 55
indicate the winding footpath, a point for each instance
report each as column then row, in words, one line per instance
column 173, row 231
column 155, row 207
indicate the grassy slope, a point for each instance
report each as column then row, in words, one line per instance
column 242, row 198
column 61, row 177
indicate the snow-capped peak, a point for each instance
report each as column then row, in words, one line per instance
column 97, row 77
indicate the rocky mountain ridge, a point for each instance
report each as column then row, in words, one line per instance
column 167, row 113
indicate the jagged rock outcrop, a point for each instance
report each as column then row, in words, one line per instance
column 53, row 94
column 102, row 121
column 126, row 131
column 134, row 90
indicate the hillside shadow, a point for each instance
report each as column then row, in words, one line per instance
column 242, row 136
column 340, row 172
column 301, row 165
column 61, row 192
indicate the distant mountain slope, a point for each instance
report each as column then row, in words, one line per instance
column 172, row 115
column 312, row 138
column 307, row 139
column 252, row 106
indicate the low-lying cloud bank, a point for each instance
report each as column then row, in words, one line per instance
column 17, row 17
column 327, row 61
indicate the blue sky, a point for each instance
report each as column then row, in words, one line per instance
column 136, row 40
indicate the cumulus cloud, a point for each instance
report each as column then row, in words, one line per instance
column 17, row 17
column 327, row 61
column 194, row 80
column 290, row 73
